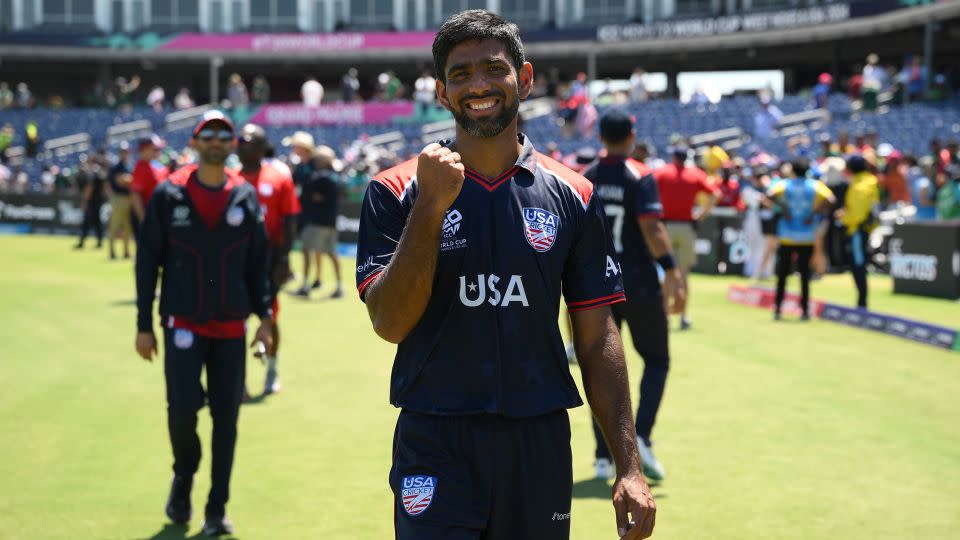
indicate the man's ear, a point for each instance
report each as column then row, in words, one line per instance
column 442, row 95
column 525, row 82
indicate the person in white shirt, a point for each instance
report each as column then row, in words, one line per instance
column 312, row 93
column 424, row 92
column 183, row 100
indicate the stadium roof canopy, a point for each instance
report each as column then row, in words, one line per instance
column 563, row 45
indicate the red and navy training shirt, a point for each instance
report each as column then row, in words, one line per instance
column 489, row 341
column 629, row 193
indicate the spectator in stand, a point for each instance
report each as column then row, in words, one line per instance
column 425, row 92
column 147, row 174
column 237, row 92
column 93, row 178
column 857, row 216
column 183, row 100
column 155, row 98
column 922, row 189
column 821, row 92
column 855, row 83
column 638, row 89
column 893, row 178
column 320, row 198
column 914, row 75
column 6, row 96
column 948, row 194
column 24, row 97
column 874, row 75
column 118, row 179
column 391, row 88
column 311, row 92
column 6, row 139
column 767, row 119
column 32, row 146
column 260, row 91
column 350, row 86
column 125, row 90
column 679, row 186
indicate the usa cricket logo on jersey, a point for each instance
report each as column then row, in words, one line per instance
column 417, row 493
column 540, row 228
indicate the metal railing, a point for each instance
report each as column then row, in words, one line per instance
column 186, row 118
column 128, row 131
column 70, row 144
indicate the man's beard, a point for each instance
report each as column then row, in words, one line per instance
column 488, row 127
column 213, row 156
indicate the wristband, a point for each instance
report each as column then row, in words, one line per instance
column 667, row 262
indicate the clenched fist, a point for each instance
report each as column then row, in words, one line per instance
column 439, row 176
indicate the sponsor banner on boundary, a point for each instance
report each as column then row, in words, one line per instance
column 297, row 114
column 765, row 298
column 930, row 334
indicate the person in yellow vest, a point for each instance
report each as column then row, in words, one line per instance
column 858, row 219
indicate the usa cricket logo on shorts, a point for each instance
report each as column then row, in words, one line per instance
column 417, row 493
column 540, row 228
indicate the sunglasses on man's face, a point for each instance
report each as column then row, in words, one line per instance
column 207, row 135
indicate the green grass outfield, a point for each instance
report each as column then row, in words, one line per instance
column 767, row 431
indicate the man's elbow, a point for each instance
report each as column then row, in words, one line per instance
column 388, row 332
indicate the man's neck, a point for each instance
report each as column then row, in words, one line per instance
column 489, row 156
column 250, row 167
column 211, row 175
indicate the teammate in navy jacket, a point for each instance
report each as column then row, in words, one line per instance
column 632, row 205
column 204, row 228
column 462, row 258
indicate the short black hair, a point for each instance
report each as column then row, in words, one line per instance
column 475, row 24
column 800, row 167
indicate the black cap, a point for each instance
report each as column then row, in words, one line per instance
column 856, row 163
column 586, row 155
column 615, row 125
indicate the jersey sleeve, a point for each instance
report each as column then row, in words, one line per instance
column 290, row 203
column 776, row 190
column 382, row 219
column 646, row 198
column 823, row 193
column 591, row 275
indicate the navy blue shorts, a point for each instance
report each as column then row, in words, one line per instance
column 482, row 477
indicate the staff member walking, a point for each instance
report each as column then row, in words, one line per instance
column 147, row 175
column 679, row 186
column 320, row 200
column 119, row 179
column 204, row 228
column 633, row 209
column 280, row 207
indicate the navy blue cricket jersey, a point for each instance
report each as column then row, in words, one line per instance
column 488, row 341
column 628, row 194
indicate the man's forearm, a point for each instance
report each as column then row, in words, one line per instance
column 655, row 234
column 398, row 297
column 606, row 384
column 136, row 202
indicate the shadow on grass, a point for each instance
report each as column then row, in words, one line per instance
column 120, row 303
column 593, row 488
column 172, row 531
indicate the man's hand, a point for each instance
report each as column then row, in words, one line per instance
column 632, row 496
column 439, row 176
column 674, row 295
column 146, row 345
column 263, row 339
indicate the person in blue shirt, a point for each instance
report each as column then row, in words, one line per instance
column 463, row 255
column 801, row 201
column 632, row 205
